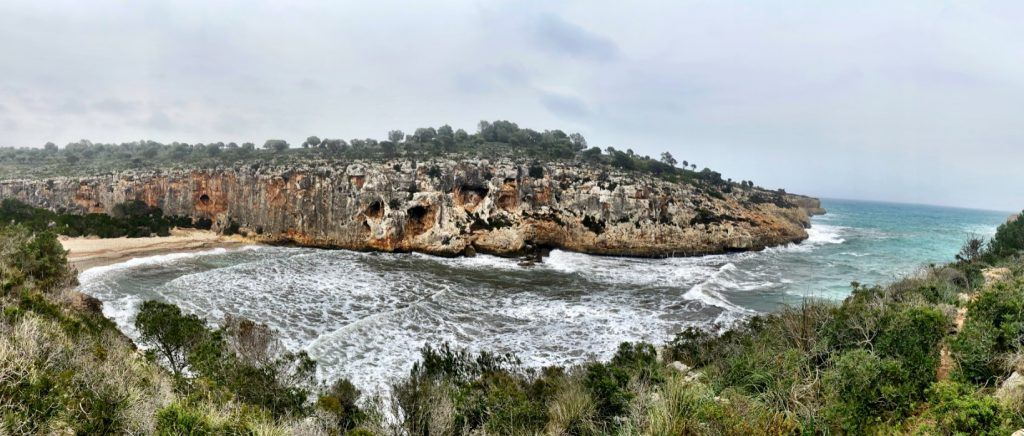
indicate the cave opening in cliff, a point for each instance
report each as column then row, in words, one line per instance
column 472, row 195
column 419, row 219
column 508, row 198
column 374, row 210
column 204, row 199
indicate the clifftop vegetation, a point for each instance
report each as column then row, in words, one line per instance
column 491, row 140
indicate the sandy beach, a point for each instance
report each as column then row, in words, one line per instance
column 88, row 252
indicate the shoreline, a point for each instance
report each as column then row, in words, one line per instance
column 89, row 252
column 85, row 252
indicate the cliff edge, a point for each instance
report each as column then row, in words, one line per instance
column 449, row 206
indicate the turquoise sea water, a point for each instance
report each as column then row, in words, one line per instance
column 868, row 242
column 365, row 315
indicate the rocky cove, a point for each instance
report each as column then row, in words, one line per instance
column 448, row 207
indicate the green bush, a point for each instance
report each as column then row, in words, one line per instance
column 912, row 337
column 340, row 402
column 246, row 359
column 467, row 392
column 34, row 256
column 957, row 409
column 1009, row 238
column 992, row 330
column 132, row 219
column 176, row 420
column 172, row 334
column 639, row 360
column 608, row 385
column 975, row 350
column 863, row 389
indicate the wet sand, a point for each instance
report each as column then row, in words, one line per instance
column 88, row 252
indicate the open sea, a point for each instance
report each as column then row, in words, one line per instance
column 365, row 316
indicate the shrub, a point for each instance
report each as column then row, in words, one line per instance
column 956, row 409
column 535, row 171
column 1002, row 306
column 639, row 360
column 607, row 386
column 912, row 336
column 1009, row 238
column 340, row 402
column 975, row 350
column 176, row 419
column 247, row 359
column 132, row 219
column 862, row 389
column 38, row 257
column 452, row 389
column 971, row 251
column 993, row 328
column 692, row 346
column 172, row 334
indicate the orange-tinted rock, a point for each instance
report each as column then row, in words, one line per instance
column 471, row 203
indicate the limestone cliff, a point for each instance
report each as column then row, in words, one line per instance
column 449, row 207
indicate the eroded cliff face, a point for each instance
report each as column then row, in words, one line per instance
column 449, row 207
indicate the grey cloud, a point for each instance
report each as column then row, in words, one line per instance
column 565, row 105
column 309, row 84
column 158, row 120
column 491, row 79
column 234, row 124
column 72, row 107
column 115, row 106
column 561, row 37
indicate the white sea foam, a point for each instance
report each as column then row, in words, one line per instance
column 704, row 292
column 820, row 234
column 91, row 273
column 480, row 261
column 365, row 316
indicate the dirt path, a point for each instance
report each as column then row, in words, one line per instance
column 945, row 359
column 946, row 362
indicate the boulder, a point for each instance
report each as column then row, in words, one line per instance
column 680, row 367
column 993, row 275
column 85, row 303
column 1011, row 390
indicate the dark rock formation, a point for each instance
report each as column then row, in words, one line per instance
column 449, row 207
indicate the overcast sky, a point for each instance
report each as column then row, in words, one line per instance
column 899, row 101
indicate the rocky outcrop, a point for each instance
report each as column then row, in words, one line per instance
column 449, row 207
column 810, row 204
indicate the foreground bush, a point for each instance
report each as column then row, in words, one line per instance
column 1009, row 239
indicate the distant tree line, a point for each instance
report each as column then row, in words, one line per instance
column 491, row 139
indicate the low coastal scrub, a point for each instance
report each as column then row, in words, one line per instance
column 131, row 219
column 66, row 369
column 936, row 353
